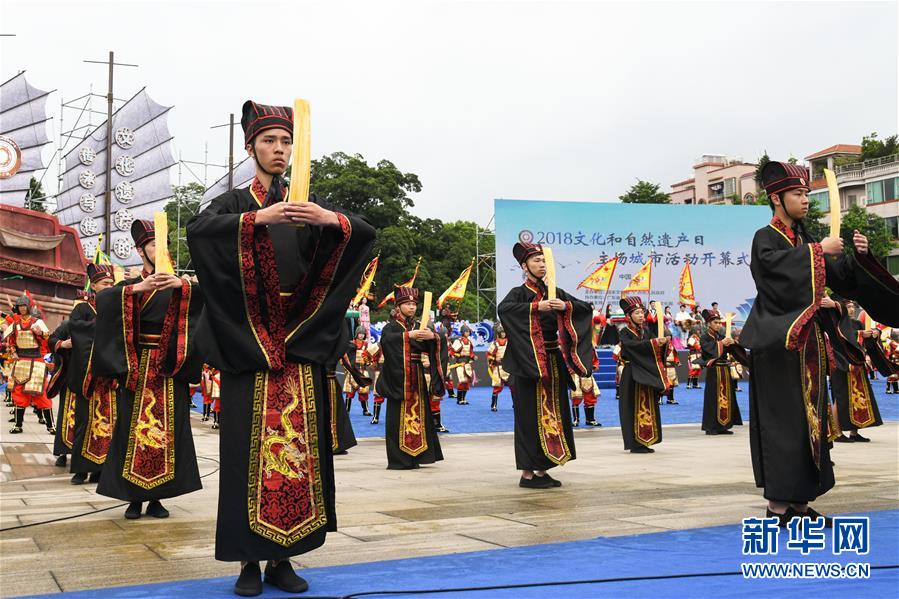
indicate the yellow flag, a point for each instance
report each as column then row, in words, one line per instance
column 367, row 277
column 456, row 291
column 601, row 278
column 687, row 295
column 642, row 281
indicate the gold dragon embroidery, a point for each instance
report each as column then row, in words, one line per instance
column 100, row 425
column 290, row 461
column 149, row 431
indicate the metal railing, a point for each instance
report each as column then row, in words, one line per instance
column 867, row 164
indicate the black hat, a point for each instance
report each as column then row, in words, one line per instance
column 142, row 232
column 405, row 294
column 257, row 118
column 523, row 251
column 710, row 315
column 98, row 272
column 630, row 303
column 778, row 177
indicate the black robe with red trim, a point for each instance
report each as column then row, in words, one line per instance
column 410, row 436
column 849, row 382
column 64, row 439
column 543, row 349
column 276, row 300
column 790, row 356
column 720, row 411
column 147, row 342
column 643, row 378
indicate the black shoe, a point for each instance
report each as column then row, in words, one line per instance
column 249, row 583
column 283, row 577
column 15, row 430
column 40, row 420
column 79, row 478
column 727, row 432
column 94, row 477
column 61, row 461
column 673, row 402
column 844, row 439
column 810, row 513
column 13, row 419
column 375, row 421
column 442, row 429
column 51, row 430
column 215, row 425
column 782, row 519
column 857, row 438
column 643, row 449
column 537, row 482
column 133, row 511
column 553, row 482
column 593, row 423
column 155, row 509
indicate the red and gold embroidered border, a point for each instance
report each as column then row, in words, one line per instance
column 100, row 422
column 285, row 502
column 68, row 420
column 150, row 457
column 549, row 420
column 646, row 429
column 861, row 410
column 725, row 384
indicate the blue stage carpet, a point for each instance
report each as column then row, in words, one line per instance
column 688, row 552
column 477, row 417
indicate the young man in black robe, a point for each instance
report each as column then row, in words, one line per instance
column 720, row 411
column 94, row 398
column 548, row 339
column 145, row 338
column 849, row 383
column 644, row 376
column 788, row 406
column 410, row 434
column 60, row 347
column 278, row 277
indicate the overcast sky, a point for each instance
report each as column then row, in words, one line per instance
column 484, row 100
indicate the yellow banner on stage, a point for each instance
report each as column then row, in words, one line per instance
column 601, row 278
column 687, row 295
column 456, row 291
column 642, row 281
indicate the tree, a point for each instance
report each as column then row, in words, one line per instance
column 644, row 192
column 188, row 197
column 380, row 193
column 880, row 242
column 35, row 199
column 874, row 148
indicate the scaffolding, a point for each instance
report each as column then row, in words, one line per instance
column 485, row 271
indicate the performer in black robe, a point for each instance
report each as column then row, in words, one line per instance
column 720, row 411
column 342, row 435
column 276, row 295
column 548, row 338
column 849, row 383
column 60, row 345
column 410, row 434
column 789, row 352
column 643, row 378
column 146, row 338
column 94, row 398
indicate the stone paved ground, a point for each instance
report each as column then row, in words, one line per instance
column 469, row 502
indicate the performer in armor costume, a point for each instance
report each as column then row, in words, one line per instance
column 437, row 397
column 94, row 397
column 277, row 294
column 643, row 378
column 447, row 318
column 548, row 340
column 498, row 375
column 694, row 357
column 849, row 384
column 355, row 355
column 410, row 354
column 212, row 394
column 720, row 411
column 585, row 391
column 790, row 342
column 146, row 339
column 27, row 335
column 374, row 361
column 891, row 350
column 672, row 361
column 462, row 351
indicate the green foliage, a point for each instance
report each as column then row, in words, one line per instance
column 381, row 195
column 188, row 197
column 35, row 198
column 880, row 242
column 762, row 199
column 644, row 192
column 876, row 148
column 735, row 199
column 812, row 221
